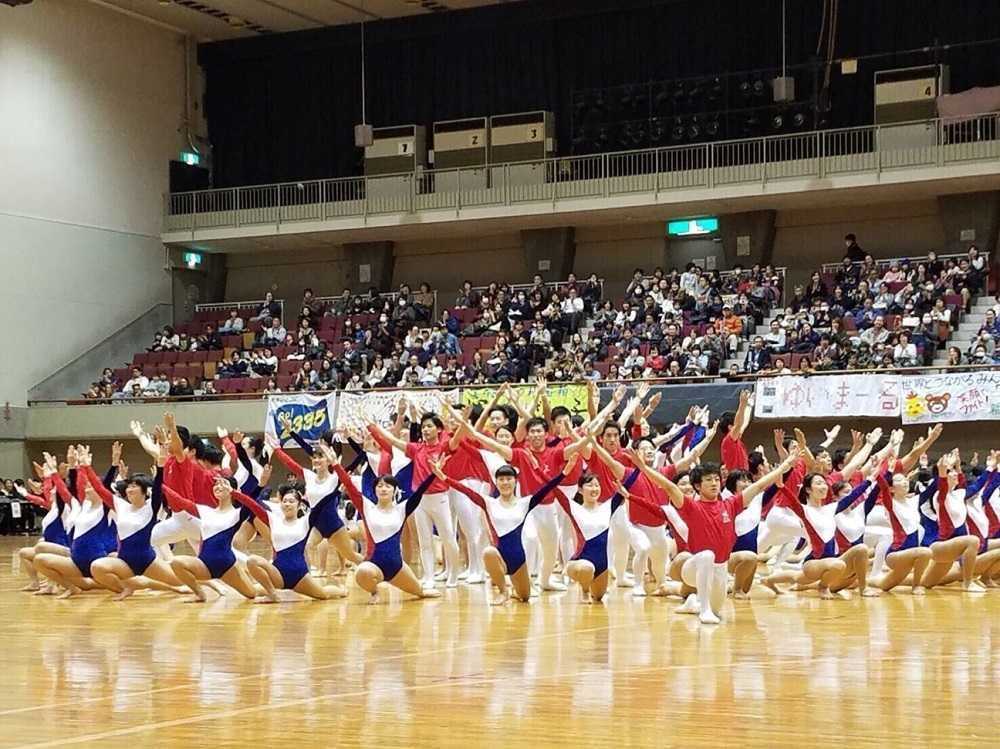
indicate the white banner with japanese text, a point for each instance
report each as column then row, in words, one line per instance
column 823, row 396
column 959, row 396
column 378, row 406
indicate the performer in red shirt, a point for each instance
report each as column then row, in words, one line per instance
column 711, row 529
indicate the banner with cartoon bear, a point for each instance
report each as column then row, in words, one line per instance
column 961, row 396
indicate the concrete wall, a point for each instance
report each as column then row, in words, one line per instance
column 90, row 102
column 114, row 351
column 287, row 274
column 805, row 239
column 446, row 263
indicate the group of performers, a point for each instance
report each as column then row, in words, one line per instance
column 523, row 503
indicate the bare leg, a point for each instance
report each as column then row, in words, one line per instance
column 856, row 559
column 496, row 568
column 520, row 581
column 581, row 571
column 598, row 587
column 237, row 580
column 368, row 576
column 191, row 571
column 267, row 575
column 946, row 553
column 63, row 572
column 344, row 545
column 407, row 582
column 742, row 565
column 109, row 573
column 27, row 557
column 310, row 586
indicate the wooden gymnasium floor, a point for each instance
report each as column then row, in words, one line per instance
column 154, row 672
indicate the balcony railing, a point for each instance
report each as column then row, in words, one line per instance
column 819, row 154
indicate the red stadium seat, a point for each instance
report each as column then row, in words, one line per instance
column 155, row 357
column 284, row 381
column 141, row 358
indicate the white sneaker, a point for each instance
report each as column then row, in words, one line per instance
column 709, row 617
column 554, row 585
column 474, row 579
column 639, row 591
column 690, row 605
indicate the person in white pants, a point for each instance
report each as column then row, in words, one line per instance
column 711, row 525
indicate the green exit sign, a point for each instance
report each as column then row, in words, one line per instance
column 689, row 227
column 192, row 259
column 191, row 159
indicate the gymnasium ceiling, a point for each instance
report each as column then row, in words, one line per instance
column 211, row 20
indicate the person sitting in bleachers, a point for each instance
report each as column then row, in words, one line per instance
column 233, row 324
column 273, row 333
column 269, row 308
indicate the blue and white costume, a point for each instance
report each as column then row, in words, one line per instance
column 383, row 527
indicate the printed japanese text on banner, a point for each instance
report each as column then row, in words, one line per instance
column 378, row 406
column 961, row 396
column 835, row 395
column 572, row 396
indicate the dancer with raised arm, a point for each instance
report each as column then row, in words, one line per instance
column 505, row 516
column 320, row 482
column 711, row 529
column 383, row 520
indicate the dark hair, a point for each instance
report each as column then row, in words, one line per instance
column 734, row 476
column 141, row 480
column 850, row 238
column 228, row 479
column 839, row 458
column 388, row 479
column 754, row 461
column 611, row 425
column 537, row 421
column 700, row 472
column 475, row 413
column 433, row 417
column 209, row 453
column 726, row 420
column 806, row 484
column 185, row 436
column 505, row 470
column 560, row 411
column 839, row 486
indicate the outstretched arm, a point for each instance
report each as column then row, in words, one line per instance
column 742, row 420
column 177, row 503
column 769, row 478
column 616, row 468
column 675, row 495
column 694, row 455
column 920, row 447
column 386, row 439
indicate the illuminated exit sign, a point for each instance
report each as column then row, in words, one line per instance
column 690, row 227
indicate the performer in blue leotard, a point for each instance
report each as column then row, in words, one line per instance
column 384, row 520
column 287, row 525
column 217, row 526
column 137, row 502
column 505, row 518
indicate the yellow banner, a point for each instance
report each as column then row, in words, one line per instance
column 572, row 396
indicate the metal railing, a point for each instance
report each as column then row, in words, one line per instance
column 603, row 383
column 528, row 287
column 817, row 154
column 392, row 296
column 240, row 306
column 914, row 260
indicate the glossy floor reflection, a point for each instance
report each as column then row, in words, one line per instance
column 895, row 671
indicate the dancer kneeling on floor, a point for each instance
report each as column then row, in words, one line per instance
column 711, row 529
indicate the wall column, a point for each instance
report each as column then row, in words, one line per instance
column 977, row 214
column 369, row 260
column 554, row 247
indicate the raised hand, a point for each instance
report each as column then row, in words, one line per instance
column 831, row 434
column 619, row 393
column 874, row 436
column 116, row 453
column 329, row 453
column 437, row 466
column 136, row 428
column 238, row 437
column 222, row 432
column 83, row 455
